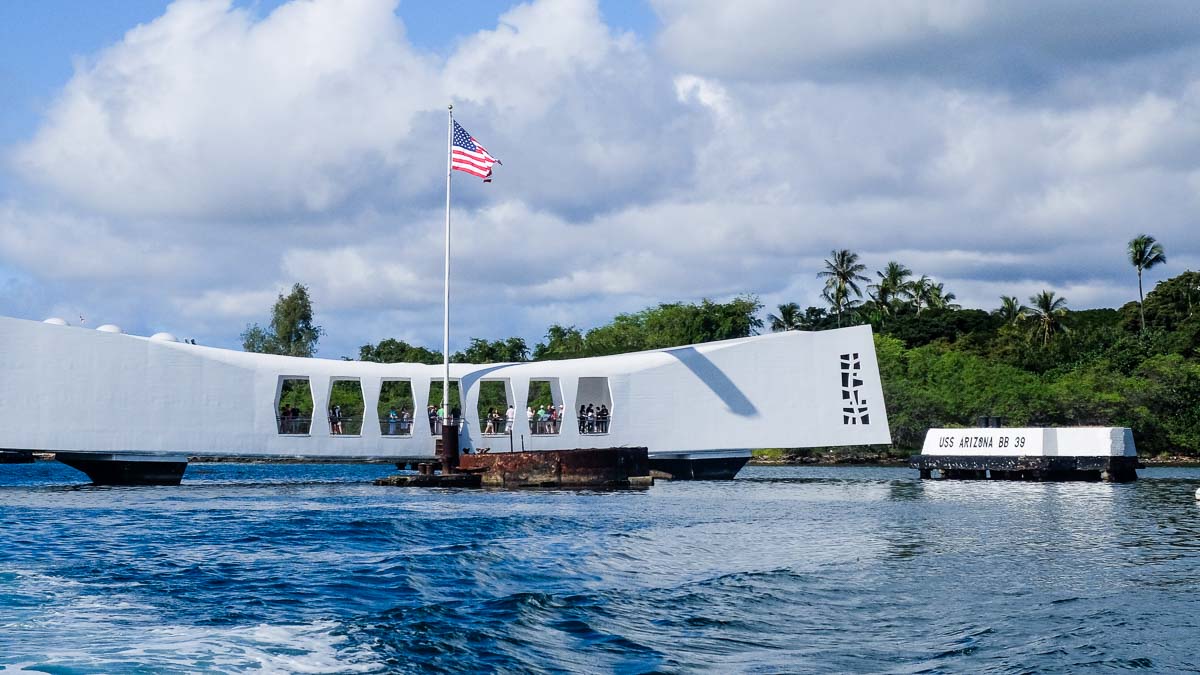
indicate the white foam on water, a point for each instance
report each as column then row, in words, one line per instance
column 20, row 668
column 74, row 627
column 269, row 649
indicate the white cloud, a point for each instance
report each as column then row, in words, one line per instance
column 68, row 247
column 960, row 40
column 206, row 113
column 208, row 160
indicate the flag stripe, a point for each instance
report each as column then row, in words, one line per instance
column 473, row 171
column 478, row 156
column 462, row 161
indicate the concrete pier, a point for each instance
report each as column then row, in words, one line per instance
column 1029, row 453
column 1112, row 469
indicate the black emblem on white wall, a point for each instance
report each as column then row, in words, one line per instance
column 854, row 406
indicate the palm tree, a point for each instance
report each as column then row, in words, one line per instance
column 839, row 299
column 888, row 291
column 842, row 273
column 939, row 298
column 790, row 317
column 1048, row 313
column 1011, row 310
column 1144, row 253
column 918, row 291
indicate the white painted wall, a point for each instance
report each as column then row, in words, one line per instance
column 64, row 388
column 1031, row 442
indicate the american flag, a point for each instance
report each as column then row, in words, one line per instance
column 469, row 156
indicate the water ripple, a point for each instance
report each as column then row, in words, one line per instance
column 314, row 569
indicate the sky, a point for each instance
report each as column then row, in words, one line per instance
column 176, row 165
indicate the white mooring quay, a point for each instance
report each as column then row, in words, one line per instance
column 1029, row 453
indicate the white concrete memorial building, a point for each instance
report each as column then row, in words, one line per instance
column 699, row 409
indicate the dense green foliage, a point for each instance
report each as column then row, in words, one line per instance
column 667, row 325
column 398, row 351
column 398, row 395
column 500, row 351
column 1050, row 366
column 297, row 394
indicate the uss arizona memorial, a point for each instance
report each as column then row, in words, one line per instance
column 67, row 389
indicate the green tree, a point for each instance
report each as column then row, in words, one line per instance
column 937, row 386
column 838, row 298
column 789, row 318
column 675, row 325
column 888, row 293
column 1011, row 311
column 562, row 342
column 948, row 325
column 939, row 298
column 842, row 273
column 391, row 350
column 511, row 350
column 918, row 291
column 1144, row 253
column 291, row 333
column 1174, row 301
column 1047, row 313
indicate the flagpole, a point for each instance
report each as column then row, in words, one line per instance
column 446, row 285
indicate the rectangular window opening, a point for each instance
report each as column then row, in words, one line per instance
column 294, row 406
column 545, row 409
column 595, row 405
column 437, row 416
column 346, row 407
column 396, row 408
column 495, row 408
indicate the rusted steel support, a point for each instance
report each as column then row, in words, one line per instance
column 449, row 447
column 587, row 467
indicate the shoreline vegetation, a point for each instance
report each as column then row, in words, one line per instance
column 941, row 365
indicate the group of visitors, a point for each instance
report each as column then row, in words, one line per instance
column 401, row 421
column 492, row 422
column 545, row 420
column 437, row 417
column 293, row 420
column 593, row 420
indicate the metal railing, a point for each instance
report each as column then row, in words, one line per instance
column 397, row 427
column 551, row 427
column 345, row 425
column 293, row 425
column 352, row 426
column 594, row 424
column 545, row 427
column 435, row 425
column 499, row 426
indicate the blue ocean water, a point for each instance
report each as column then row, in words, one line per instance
column 311, row 568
